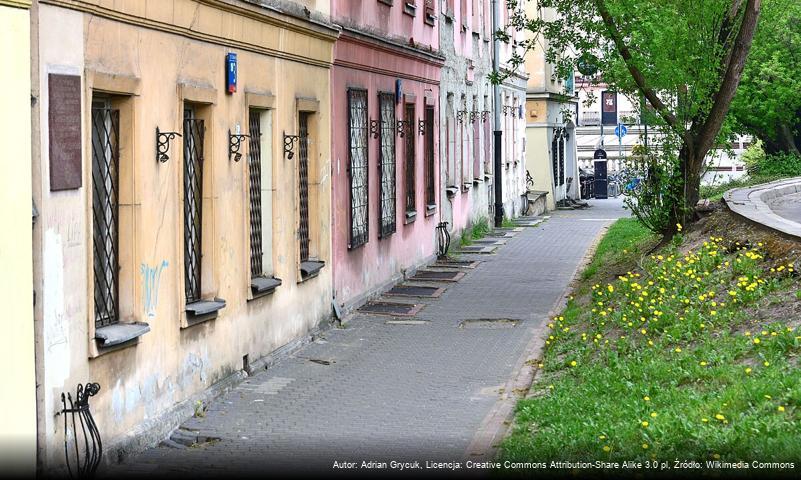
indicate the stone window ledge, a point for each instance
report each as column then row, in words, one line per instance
column 203, row 310
column 310, row 269
column 410, row 217
column 430, row 210
column 260, row 286
column 119, row 334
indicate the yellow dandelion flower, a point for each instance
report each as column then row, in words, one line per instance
column 720, row 417
column 573, row 363
column 748, row 370
column 653, row 414
column 607, row 448
column 781, row 408
column 646, row 398
column 644, row 423
column 645, row 446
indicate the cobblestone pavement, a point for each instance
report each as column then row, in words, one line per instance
column 393, row 391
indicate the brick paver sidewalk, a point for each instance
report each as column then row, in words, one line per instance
column 393, row 391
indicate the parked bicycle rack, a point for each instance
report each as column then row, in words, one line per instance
column 87, row 447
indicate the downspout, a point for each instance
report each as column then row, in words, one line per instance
column 497, row 134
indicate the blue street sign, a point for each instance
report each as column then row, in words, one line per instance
column 621, row 131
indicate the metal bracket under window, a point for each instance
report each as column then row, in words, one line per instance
column 507, row 109
column 234, row 143
column 163, row 144
column 485, row 115
column 460, row 116
column 289, row 145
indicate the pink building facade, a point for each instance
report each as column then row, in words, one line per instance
column 385, row 143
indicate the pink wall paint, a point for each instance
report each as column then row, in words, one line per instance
column 359, row 64
column 390, row 20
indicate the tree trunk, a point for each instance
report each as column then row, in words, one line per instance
column 786, row 139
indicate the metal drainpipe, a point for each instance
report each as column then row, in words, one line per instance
column 497, row 134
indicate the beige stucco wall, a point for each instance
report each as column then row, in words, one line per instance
column 166, row 53
column 538, row 162
column 18, row 404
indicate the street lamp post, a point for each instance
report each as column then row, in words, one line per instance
column 497, row 134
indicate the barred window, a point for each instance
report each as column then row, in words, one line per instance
column 430, row 156
column 357, row 167
column 105, row 211
column 411, row 154
column 303, row 186
column 260, row 190
column 386, row 202
column 194, row 132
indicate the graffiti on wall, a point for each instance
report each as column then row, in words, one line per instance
column 151, row 278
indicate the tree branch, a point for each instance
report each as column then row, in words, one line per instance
column 731, row 79
column 636, row 74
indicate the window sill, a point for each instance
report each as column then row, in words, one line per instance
column 429, row 19
column 203, row 310
column 386, row 2
column 310, row 269
column 410, row 217
column 487, row 177
column 451, row 190
column 477, row 180
column 430, row 210
column 410, row 9
column 261, row 286
column 466, row 186
column 120, row 335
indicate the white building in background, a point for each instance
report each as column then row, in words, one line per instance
column 596, row 129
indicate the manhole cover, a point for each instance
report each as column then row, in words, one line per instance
column 416, row 291
column 478, row 249
column 389, row 308
column 489, row 323
column 438, row 276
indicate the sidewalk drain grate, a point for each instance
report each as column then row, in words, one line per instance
column 389, row 308
column 456, row 263
column 448, row 276
column 489, row 241
column 416, row 291
column 489, row 323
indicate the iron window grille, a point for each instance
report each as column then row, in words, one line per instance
column 429, row 138
column 357, row 167
column 303, row 186
column 254, row 170
column 105, row 212
column 386, row 170
column 411, row 197
column 194, row 132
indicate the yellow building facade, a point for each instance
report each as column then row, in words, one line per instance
column 184, row 229
column 550, row 126
column 18, row 404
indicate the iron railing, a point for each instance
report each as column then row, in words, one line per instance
column 194, row 132
column 87, row 447
column 357, row 167
column 386, row 171
column 411, row 194
column 254, row 170
column 105, row 214
column 303, row 186
column 430, row 156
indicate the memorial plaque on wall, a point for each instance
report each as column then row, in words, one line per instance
column 64, row 124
